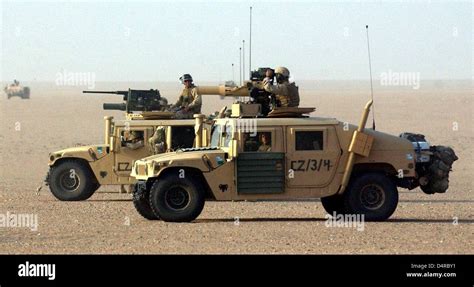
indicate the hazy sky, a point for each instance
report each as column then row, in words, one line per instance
column 121, row 41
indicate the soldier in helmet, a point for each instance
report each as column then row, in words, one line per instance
column 286, row 93
column 134, row 140
column 189, row 102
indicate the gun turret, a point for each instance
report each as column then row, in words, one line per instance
column 134, row 100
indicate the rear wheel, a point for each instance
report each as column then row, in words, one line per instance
column 141, row 201
column 176, row 199
column 373, row 195
column 72, row 180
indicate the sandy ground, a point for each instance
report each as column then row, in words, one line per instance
column 59, row 117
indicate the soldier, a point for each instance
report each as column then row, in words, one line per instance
column 135, row 140
column 157, row 142
column 189, row 102
column 266, row 142
column 286, row 93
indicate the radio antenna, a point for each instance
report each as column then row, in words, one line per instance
column 371, row 85
column 240, row 65
column 243, row 62
column 250, row 46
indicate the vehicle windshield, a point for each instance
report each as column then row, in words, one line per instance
column 216, row 135
column 221, row 135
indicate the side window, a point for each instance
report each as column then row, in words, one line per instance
column 182, row 137
column 309, row 140
column 260, row 142
column 132, row 139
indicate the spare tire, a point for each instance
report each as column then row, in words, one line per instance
column 438, row 170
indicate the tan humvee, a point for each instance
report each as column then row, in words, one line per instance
column 352, row 169
column 76, row 173
column 15, row 90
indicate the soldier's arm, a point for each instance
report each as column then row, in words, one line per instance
column 274, row 89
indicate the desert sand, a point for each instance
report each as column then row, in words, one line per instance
column 57, row 117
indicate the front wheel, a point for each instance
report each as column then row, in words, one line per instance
column 142, row 203
column 72, row 180
column 373, row 195
column 176, row 199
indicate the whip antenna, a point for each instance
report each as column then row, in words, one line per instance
column 371, row 85
column 250, row 46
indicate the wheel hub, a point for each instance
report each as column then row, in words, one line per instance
column 372, row 196
column 177, row 198
column 69, row 182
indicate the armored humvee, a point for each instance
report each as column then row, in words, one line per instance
column 76, row 173
column 353, row 170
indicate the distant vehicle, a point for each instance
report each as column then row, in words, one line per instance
column 15, row 90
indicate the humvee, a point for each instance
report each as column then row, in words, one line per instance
column 76, row 173
column 353, row 170
column 15, row 90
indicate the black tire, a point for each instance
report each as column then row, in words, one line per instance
column 373, row 195
column 438, row 170
column 176, row 199
column 334, row 203
column 141, row 201
column 71, row 180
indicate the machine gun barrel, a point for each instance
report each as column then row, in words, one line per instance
column 114, row 106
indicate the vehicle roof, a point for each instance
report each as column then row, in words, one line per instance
column 290, row 121
column 160, row 122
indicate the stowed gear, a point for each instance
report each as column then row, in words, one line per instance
column 436, row 178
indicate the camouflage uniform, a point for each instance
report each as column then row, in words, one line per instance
column 157, row 143
column 190, row 99
column 264, row 148
column 286, row 93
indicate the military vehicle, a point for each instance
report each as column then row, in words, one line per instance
column 15, row 90
column 76, row 173
column 352, row 169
